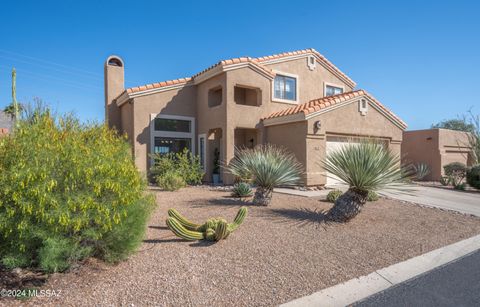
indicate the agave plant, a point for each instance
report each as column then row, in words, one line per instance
column 363, row 167
column 241, row 190
column 269, row 166
column 421, row 170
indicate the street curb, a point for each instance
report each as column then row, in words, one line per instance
column 359, row 288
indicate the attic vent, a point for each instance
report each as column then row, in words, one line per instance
column 311, row 62
column 363, row 106
column 115, row 62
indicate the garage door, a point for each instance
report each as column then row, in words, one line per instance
column 334, row 144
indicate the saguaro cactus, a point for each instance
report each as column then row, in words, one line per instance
column 14, row 95
column 214, row 229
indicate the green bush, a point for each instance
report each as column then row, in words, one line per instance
column 445, row 180
column 171, row 181
column 456, row 172
column 460, row 186
column 473, row 177
column 372, row 196
column 68, row 191
column 241, row 189
column 333, row 195
column 184, row 163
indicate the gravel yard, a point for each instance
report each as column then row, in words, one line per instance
column 280, row 253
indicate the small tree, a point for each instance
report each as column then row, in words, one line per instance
column 363, row 167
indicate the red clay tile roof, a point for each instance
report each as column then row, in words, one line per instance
column 237, row 61
column 325, row 102
column 157, row 85
column 254, row 61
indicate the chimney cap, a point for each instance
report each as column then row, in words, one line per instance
column 114, row 60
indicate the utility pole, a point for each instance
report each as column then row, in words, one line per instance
column 14, row 95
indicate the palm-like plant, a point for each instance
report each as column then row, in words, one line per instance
column 363, row 167
column 268, row 166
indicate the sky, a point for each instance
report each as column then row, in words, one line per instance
column 419, row 58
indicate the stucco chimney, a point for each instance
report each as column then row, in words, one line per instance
column 114, row 86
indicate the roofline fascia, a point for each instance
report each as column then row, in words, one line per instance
column 292, row 118
column 127, row 96
column 224, row 68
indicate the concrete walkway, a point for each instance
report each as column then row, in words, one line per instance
column 460, row 201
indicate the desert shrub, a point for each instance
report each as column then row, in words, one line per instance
column 456, row 172
column 372, row 196
column 473, row 177
column 444, row 180
column 333, row 195
column 241, row 189
column 184, row 163
column 421, row 170
column 364, row 167
column 171, row 181
column 460, row 186
column 68, row 191
column 269, row 166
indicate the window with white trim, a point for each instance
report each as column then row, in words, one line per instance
column 333, row 90
column 171, row 133
column 285, row 88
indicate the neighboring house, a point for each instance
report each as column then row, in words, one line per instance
column 6, row 123
column 437, row 148
column 297, row 99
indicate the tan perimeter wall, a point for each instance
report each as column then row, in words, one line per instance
column 436, row 148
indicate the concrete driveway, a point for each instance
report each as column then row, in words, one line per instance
column 461, row 201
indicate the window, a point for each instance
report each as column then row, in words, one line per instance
column 215, row 97
column 171, row 133
column 165, row 145
column 174, row 125
column 285, row 88
column 332, row 90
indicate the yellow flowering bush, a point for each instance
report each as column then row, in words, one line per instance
column 68, row 191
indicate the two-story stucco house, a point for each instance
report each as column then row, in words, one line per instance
column 298, row 100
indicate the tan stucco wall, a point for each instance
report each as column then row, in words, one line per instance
column 436, row 148
column 292, row 137
column 127, row 118
column 209, row 118
column 345, row 122
column 174, row 102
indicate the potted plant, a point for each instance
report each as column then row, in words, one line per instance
column 216, row 167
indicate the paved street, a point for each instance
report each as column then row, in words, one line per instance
column 456, row 284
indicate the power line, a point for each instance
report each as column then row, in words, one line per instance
column 50, row 63
column 56, row 80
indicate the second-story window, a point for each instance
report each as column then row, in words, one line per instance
column 333, row 90
column 285, row 88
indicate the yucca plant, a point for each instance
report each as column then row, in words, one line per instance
column 241, row 190
column 269, row 166
column 421, row 170
column 363, row 167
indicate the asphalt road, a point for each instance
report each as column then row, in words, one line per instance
column 455, row 284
